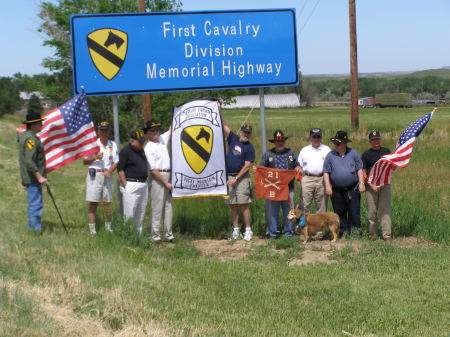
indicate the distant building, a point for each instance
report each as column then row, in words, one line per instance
column 270, row 101
column 366, row 102
column 27, row 95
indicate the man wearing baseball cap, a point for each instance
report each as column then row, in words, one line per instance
column 160, row 192
column 239, row 159
column 133, row 173
column 378, row 197
column 311, row 159
column 32, row 168
column 99, row 184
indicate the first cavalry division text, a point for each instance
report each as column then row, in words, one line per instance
column 212, row 60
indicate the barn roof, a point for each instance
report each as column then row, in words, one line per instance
column 270, row 101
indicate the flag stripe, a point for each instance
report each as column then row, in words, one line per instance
column 72, row 141
column 71, row 159
column 381, row 172
column 68, row 133
column 70, row 151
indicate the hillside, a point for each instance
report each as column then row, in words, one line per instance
column 442, row 72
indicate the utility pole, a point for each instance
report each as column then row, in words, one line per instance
column 353, row 64
column 146, row 98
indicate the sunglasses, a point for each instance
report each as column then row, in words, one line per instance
column 316, row 136
column 338, row 144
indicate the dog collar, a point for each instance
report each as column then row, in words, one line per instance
column 301, row 221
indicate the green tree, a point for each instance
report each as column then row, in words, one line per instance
column 34, row 105
column 10, row 100
column 56, row 26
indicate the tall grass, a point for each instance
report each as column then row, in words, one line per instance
column 421, row 192
column 122, row 284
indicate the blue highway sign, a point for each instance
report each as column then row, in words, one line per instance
column 156, row 52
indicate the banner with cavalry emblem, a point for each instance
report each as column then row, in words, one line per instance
column 198, row 151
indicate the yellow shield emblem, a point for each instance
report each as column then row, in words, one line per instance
column 108, row 49
column 196, row 143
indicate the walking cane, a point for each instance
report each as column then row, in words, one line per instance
column 56, row 207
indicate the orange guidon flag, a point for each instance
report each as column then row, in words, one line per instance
column 273, row 183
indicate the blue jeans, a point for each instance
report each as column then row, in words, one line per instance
column 273, row 209
column 347, row 205
column 34, row 206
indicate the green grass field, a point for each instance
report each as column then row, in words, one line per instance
column 121, row 284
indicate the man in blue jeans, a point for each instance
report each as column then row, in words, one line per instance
column 344, row 182
column 280, row 157
column 32, row 168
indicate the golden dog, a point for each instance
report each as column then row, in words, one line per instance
column 316, row 222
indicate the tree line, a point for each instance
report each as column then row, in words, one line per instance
column 56, row 86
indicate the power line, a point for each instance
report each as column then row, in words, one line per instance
column 312, row 12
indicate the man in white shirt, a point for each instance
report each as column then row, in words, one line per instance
column 159, row 161
column 99, row 184
column 311, row 160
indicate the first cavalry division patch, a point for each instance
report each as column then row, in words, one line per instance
column 108, row 49
column 30, row 144
column 196, row 143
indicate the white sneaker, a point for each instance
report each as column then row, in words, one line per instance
column 108, row 227
column 157, row 239
column 92, row 229
column 248, row 235
column 236, row 235
column 171, row 238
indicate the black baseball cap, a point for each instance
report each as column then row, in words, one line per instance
column 374, row 134
column 152, row 125
column 315, row 132
column 139, row 136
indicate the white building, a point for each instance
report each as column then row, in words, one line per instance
column 270, row 101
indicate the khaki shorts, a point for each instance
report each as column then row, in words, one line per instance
column 99, row 188
column 240, row 192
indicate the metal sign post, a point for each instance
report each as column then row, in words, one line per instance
column 117, row 140
column 262, row 120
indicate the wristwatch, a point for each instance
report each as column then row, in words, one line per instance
column 362, row 183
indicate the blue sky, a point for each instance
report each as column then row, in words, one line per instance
column 393, row 35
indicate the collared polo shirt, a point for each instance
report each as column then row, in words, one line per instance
column 133, row 163
column 238, row 153
column 311, row 159
column 110, row 156
column 371, row 156
column 343, row 170
column 157, row 153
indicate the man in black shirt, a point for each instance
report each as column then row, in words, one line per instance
column 132, row 170
column 378, row 197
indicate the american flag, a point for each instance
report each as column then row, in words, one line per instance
column 381, row 172
column 68, row 133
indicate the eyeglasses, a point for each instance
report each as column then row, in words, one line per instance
column 338, row 144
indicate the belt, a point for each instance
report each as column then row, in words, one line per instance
column 233, row 174
column 137, row 180
column 98, row 170
column 164, row 170
column 312, row 175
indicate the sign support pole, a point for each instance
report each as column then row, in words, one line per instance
column 117, row 141
column 146, row 98
column 262, row 120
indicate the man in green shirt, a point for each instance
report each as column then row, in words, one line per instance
column 32, row 168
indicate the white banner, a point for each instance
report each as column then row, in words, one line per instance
column 198, row 151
